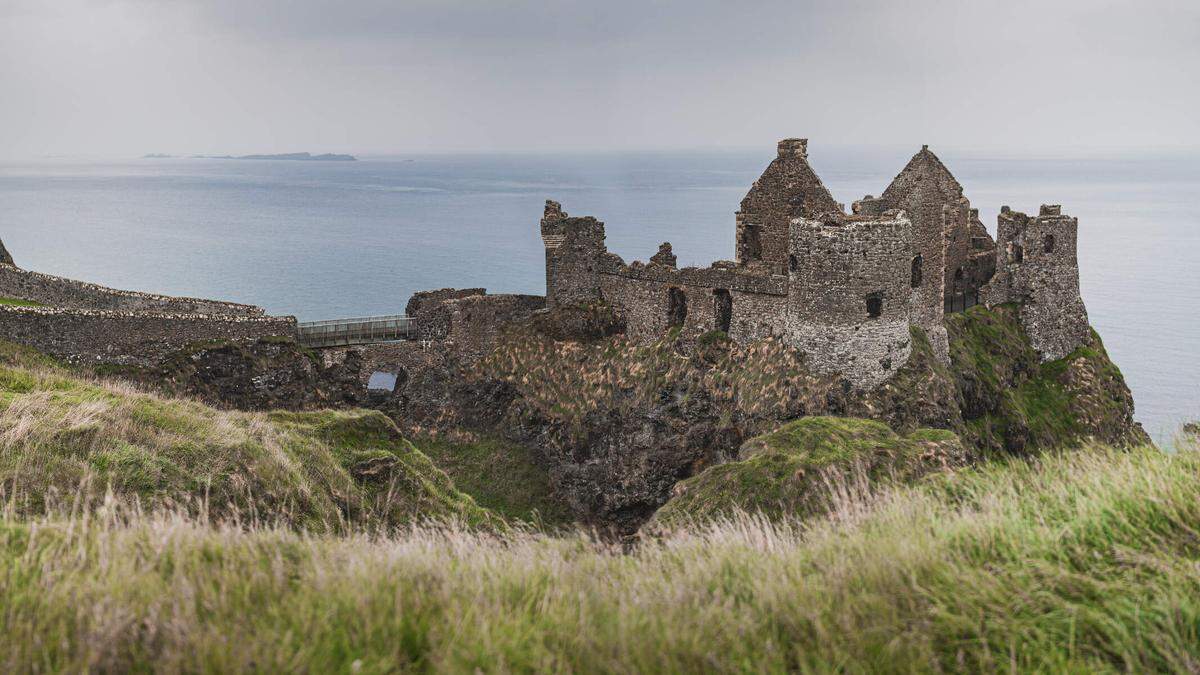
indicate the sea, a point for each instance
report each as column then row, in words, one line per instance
column 325, row 240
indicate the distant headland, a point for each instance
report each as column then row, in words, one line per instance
column 292, row 156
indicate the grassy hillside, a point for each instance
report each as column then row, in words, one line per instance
column 1082, row 562
column 63, row 437
column 504, row 477
column 784, row 473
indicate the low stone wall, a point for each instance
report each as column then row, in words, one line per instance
column 98, row 336
column 472, row 324
column 65, row 293
column 425, row 299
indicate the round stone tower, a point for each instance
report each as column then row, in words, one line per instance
column 852, row 288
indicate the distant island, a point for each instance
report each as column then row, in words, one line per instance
column 297, row 157
column 292, row 156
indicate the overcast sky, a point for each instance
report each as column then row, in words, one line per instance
column 121, row 77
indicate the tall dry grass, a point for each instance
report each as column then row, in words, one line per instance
column 1081, row 562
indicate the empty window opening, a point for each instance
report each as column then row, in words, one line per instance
column 676, row 307
column 1016, row 253
column 793, row 264
column 382, row 381
column 917, row 272
column 1049, row 243
column 752, row 243
column 723, row 309
column 875, row 304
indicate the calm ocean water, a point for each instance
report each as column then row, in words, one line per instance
column 330, row 240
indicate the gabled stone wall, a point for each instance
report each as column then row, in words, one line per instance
column 787, row 189
column 1037, row 265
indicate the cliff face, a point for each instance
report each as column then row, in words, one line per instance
column 618, row 424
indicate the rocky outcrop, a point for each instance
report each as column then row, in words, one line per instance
column 619, row 423
column 799, row 469
column 268, row 374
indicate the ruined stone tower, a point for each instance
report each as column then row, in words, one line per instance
column 574, row 248
column 852, row 288
column 1037, row 265
column 787, row 189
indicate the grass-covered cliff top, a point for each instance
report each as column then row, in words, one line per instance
column 63, row 437
column 1078, row 562
column 787, row 473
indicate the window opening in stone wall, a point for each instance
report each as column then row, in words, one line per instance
column 917, row 263
column 1049, row 243
column 752, row 242
column 793, row 264
column 676, row 307
column 875, row 304
column 1016, row 253
column 723, row 309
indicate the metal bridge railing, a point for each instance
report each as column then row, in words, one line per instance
column 362, row 330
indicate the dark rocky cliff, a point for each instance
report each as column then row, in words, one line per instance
column 618, row 424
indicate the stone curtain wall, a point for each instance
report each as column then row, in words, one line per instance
column 844, row 272
column 425, row 299
column 99, row 336
column 1037, row 264
column 787, row 189
column 643, row 292
column 474, row 323
column 71, row 294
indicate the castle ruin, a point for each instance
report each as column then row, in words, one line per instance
column 845, row 288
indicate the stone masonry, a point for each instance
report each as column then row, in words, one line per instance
column 1037, row 265
column 844, row 288
column 851, row 296
column 788, row 189
column 90, row 324
column 5, row 258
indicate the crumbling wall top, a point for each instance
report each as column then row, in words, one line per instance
column 793, row 147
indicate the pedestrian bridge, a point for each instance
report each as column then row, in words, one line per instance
column 360, row 331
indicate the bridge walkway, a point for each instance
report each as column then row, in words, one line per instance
column 357, row 331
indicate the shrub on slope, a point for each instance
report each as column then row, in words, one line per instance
column 63, row 438
column 789, row 472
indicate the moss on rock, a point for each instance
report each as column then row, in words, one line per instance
column 1012, row 403
column 790, row 472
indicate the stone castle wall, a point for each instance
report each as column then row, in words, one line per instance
column 851, row 295
column 1037, row 265
column 426, row 299
column 62, row 293
column 138, row 338
column 923, row 189
column 574, row 252
column 473, row 324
